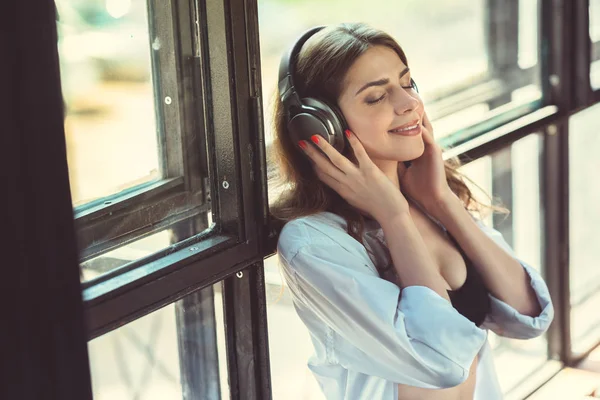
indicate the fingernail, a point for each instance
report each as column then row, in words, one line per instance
column 302, row 144
column 347, row 131
column 315, row 138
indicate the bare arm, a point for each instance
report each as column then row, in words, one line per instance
column 502, row 274
column 365, row 187
column 412, row 260
column 426, row 182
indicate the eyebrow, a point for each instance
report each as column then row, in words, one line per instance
column 381, row 82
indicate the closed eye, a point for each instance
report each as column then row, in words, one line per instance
column 375, row 101
column 412, row 86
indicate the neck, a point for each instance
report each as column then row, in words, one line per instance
column 390, row 169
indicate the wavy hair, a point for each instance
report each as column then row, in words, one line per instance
column 320, row 71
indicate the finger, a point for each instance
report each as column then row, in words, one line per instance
column 320, row 160
column 431, row 146
column 427, row 136
column 426, row 121
column 329, row 180
column 359, row 150
column 336, row 158
column 427, row 125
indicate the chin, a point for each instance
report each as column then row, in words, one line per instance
column 406, row 152
column 415, row 152
column 409, row 153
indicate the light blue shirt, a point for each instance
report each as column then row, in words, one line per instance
column 368, row 335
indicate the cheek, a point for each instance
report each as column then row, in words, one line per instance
column 367, row 123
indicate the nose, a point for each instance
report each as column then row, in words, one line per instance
column 404, row 102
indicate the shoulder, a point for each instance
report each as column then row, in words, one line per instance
column 322, row 229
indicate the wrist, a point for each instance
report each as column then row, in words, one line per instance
column 443, row 204
column 399, row 218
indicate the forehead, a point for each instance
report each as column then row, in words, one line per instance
column 379, row 62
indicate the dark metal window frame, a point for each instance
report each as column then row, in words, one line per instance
column 234, row 241
column 495, row 87
column 594, row 55
column 182, row 191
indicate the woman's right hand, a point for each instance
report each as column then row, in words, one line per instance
column 363, row 186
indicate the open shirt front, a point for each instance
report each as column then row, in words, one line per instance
column 369, row 335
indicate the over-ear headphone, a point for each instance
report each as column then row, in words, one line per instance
column 307, row 115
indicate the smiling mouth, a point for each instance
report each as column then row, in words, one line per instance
column 406, row 128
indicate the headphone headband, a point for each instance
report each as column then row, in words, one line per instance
column 287, row 91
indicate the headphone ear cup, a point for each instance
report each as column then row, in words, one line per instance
column 332, row 119
column 340, row 117
column 306, row 123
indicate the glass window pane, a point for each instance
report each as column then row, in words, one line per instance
column 178, row 349
column 594, row 11
column 121, row 256
column 595, row 20
column 106, row 75
column 584, row 217
column 464, row 55
column 125, row 131
column 148, row 245
column 512, row 175
column 528, row 33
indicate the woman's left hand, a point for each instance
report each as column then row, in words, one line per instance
column 425, row 180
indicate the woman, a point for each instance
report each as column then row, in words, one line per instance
column 395, row 280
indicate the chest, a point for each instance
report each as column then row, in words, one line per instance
column 449, row 261
column 446, row 256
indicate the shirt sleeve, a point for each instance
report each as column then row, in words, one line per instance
column 413, row 336
column 506, row 321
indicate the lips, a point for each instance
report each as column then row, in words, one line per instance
column 410, row 129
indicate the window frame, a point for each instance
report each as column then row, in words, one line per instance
column 236, row 240
column 594, row 56
column 594, row 95
column 503, row 77
column 148, row 284
column 181, row 127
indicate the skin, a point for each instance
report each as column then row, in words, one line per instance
column 399, row 106
column 380, row 184
column 425, row 181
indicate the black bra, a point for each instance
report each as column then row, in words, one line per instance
column 472, row 298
